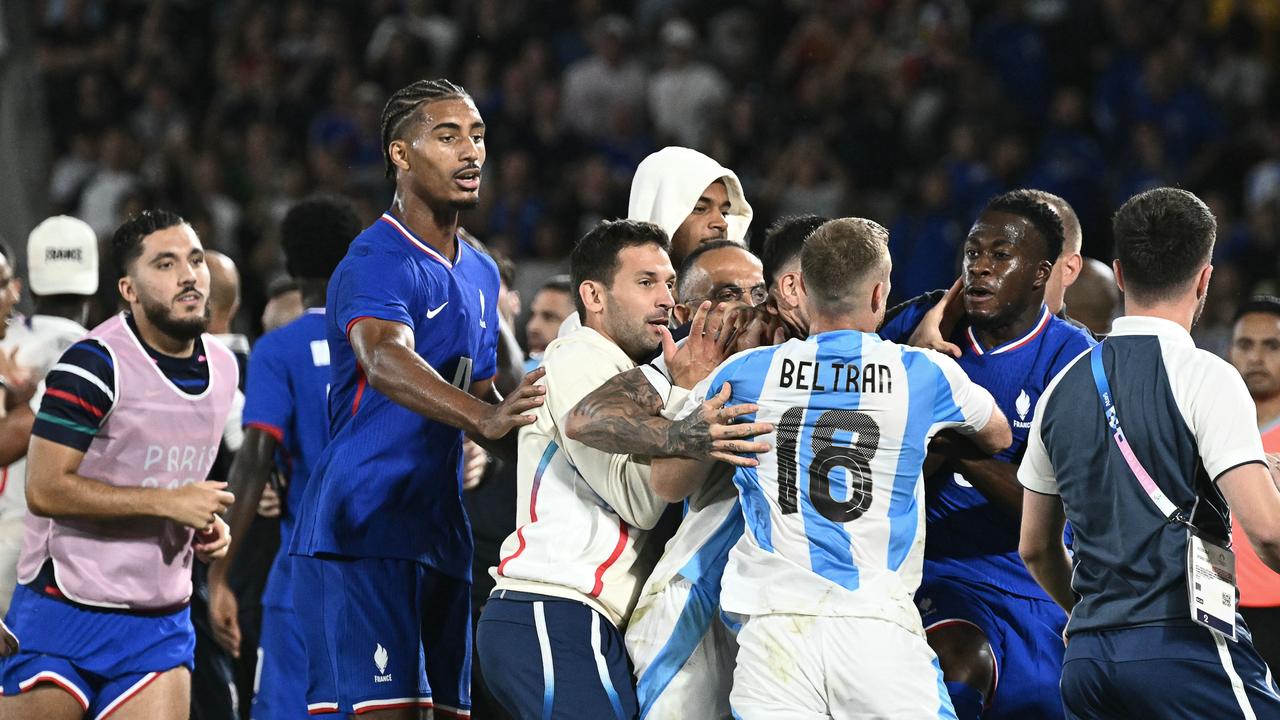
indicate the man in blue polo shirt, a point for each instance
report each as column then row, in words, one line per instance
column 381, row 581
column 1142, row 443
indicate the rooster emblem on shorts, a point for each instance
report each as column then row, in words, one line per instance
column 1022, row 404
column 380, row 659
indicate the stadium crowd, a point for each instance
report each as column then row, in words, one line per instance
column 266, row 127
column 911, row 112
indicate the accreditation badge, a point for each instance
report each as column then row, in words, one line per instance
column 1211, row 584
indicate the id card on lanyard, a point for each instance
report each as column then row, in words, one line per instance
column 1210, row 566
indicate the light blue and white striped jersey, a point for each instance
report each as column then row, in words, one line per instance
column 834, row 512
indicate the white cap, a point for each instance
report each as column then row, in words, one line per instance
column 62, row 257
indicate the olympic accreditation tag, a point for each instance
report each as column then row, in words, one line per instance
column 1211, row 583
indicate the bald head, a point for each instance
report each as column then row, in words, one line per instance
column 1094, row 299
column 224, row 291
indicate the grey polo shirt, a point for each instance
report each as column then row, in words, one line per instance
column 1189, row 419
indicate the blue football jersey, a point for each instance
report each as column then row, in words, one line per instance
column 968, row 536
column 389, row 483
column 286, row 395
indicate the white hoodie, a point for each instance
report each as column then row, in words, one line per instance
column 669, row 182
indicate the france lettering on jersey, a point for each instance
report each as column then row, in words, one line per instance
column 833, row 512
column 969, row 536
column 287, row 396
column 389, row 483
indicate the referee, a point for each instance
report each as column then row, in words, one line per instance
column 1144, row 441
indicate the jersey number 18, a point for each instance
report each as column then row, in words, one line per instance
column 828, row 456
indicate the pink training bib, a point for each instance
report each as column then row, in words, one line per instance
column 155, row 436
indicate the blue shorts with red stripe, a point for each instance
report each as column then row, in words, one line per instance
column 382, row 633
column 100, row 657
column 554, row 659
column 1025, row 635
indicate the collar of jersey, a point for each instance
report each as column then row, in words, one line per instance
column 417, row 242
column 1148, row 325
column 1012, row 345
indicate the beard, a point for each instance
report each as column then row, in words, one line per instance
column 466, row 204
column 1199, row 309
column 631, row 334
column 179, row 329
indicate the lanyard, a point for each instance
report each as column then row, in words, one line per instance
column 1171, row 511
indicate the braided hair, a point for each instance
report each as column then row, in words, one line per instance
column 404, row 103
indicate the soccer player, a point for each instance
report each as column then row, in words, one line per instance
column 997, row 635
column 1255, row 353
column 573, row 568
column 62, row 257
column 691, row 197
column 126, row 432
column 551, row 305
column 383, row 566
column 286, row 428
column 832, row 552
column 1135, row 443
column 682, row 654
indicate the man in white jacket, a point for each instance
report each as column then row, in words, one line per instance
column 550, row 638
column 692, row 197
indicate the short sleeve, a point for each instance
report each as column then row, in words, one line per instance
column 268, row 401
column 79, row 394
column 959, row 403
column 1223, row 419
column 381, row 286
column 902, row 320
column 1035, row 472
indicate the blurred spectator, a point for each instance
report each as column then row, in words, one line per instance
column 685, row 96
column 596, row 87
column 229, row 112
column 928, row 234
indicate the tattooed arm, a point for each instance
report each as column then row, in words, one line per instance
column 623, row 416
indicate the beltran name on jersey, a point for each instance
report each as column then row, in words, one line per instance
column 833, row 512
column 286, row 396
column 969, row 536
column 389, row 483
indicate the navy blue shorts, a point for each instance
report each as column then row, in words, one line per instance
column 1167, row 672
column 553, row 659
column 382, row 634
column 100, row 657
column 1025, row 635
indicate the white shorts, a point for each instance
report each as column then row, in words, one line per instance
column 806, row 667
column 682, row 654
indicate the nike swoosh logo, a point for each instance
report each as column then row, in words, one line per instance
column 433, row 313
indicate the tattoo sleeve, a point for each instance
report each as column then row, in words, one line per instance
column 624, row 416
